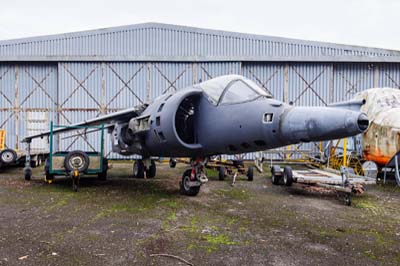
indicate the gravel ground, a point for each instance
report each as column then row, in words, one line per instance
column 126, row 221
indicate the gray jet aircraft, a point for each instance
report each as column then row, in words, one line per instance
column 225, row 115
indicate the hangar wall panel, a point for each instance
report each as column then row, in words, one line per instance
column 389, row 75
column 169, row 41
column 270, row 76
column 350, row 79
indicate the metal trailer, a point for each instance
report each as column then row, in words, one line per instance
column 224, row 167
column 72, row 163
column 9, row 157
column 344, row 183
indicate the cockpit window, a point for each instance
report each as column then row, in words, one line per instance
column 214, row 87
column 234, row 88
column 237, row 92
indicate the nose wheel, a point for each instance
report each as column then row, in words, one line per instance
column 188, row 186
column 193, row 178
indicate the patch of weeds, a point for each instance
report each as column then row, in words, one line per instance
column 172, row 216
column 388, row 187
column 215, row 241
column 117, row 208
column 370, row 254
column 58, row 203
column 364, row 203
column 213, row 173
column 234, row 193
column 208, row 237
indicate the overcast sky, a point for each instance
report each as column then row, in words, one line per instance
column 373, row 23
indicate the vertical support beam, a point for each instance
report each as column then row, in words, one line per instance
column 286, row 99
column 16, row 107
column 148, row 82
column 332, row 84
column 103, row 89
column 345, row 152
column 286, row 84
column 58, row 107
column 195, row 80
column 376, row 76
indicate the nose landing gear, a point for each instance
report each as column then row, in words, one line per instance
column 194, row 177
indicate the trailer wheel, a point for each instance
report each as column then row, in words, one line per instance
column 287, row 176
column 275, row 175
column 8, row 156
column 76, row 160
column 221, row 173
column 250, row 173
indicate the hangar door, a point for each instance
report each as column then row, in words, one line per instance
column 26, row 91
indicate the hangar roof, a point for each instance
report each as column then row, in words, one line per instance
column 164, row 42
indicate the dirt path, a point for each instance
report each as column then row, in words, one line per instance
column 123, row 221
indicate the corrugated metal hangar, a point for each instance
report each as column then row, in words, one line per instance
column 70, row 77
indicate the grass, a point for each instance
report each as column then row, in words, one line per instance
column 234, row 193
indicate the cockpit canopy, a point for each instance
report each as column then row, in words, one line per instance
column 231, row 89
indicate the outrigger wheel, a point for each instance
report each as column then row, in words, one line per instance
column 185, row 187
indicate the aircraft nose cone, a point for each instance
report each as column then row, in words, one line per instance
column 362, row 122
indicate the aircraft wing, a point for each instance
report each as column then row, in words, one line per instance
column 108, row 120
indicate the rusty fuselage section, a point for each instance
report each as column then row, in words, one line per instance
column 382, row 139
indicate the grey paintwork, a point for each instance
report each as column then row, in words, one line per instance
column 211, row 128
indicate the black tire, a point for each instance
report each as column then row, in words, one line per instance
column 103, row 175
column 250, row 173
column 49, row 178
column 47, row 165
column 138, row 169
column 287, row 176
column 185, row 190
column 221, row 173
column 347, row 199
column 76, row 161
column 8, row 156
column 172, row 163
column 275, row 176
column 27, row 173
column 151, row 172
